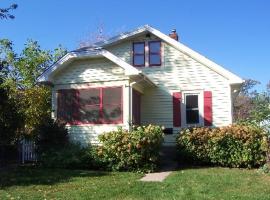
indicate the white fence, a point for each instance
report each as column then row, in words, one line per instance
column 28, row 153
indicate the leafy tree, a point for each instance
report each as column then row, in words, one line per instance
column 18, row 78
column 10, row 119
column 243, row 103
column 260, row 113
column 6, row 57
column 34, row 106
column 5, row 12
column 26, row 67
column 252, row 106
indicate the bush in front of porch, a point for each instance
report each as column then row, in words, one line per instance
column 231, row 146
column 137, row 150
column 119, row 150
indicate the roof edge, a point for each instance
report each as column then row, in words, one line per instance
column 129, row 70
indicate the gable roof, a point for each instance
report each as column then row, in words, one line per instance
column 90, row 53
column 232, row 78
column 97, row 50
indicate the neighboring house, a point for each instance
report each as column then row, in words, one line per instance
column 139, row 77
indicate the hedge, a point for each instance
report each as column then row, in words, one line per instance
column 137, row 150
column 231, row 146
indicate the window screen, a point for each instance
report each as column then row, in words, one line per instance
column 192, row 109
column 89, row 105
column 92, row 105
column 112, row 104
column 66, row 105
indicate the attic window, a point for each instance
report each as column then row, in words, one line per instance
column 138, row 54
column 154, row 53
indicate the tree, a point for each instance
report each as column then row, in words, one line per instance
column 5, row 12
column 25, row 68
column 261, row 108
column 247, row 88
column 18, row 81
column 10, row 118
column 243, row 103
column 252, row 106
column 6, row 57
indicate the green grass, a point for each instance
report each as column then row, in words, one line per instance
column 200, row 183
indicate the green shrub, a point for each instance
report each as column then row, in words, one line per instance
column 50, row 135
column 231, row 146
column 71, row 156
column 56, row 151
column 137, row 150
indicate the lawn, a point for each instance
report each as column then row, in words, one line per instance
column 199, row 183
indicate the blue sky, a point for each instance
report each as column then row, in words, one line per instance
column 233, row 33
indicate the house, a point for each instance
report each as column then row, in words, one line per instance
column 139, row 77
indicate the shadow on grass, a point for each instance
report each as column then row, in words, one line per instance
column 27, row 176
column 172, row 160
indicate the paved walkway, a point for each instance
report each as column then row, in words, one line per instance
column 156, row 177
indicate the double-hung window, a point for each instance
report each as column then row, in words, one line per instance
column 192, row 109
column 154, row 53
column 150, row 50
column 138, row 54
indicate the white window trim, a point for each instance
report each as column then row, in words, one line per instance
column 201, row 107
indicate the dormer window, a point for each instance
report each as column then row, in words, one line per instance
column 138, row 54
column 154, row 53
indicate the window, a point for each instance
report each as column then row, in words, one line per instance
column 111, row 107
column 139, row 54
column 154, row 53
column 91, row 106
column 66, row 105
column 192, row 108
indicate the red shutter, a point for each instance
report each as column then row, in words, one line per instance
column 208, row 114
column 177, row 109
